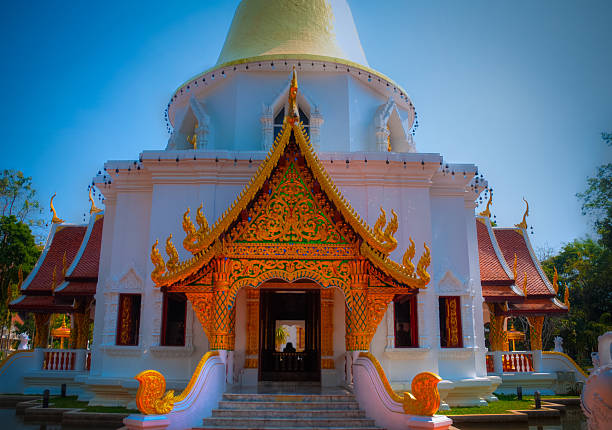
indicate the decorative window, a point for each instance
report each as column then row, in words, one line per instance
column 128, row 319
column 280, row 117
column 450, row 322
column 405, row 321
column 174, row 318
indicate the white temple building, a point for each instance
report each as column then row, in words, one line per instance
column 329, row 218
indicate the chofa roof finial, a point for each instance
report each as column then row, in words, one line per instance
column 93, row 209
column 55, row 219
column 487, row 211
column 293, row 115
column 523, row 224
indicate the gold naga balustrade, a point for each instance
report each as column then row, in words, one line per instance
column 423, row 399
column 152, row 397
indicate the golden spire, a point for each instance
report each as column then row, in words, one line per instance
column 487, row 211
column 566, row 300
column 556, row 281
column 293, row 114
column 93, row 209
column 523, row 224
column 55, row 219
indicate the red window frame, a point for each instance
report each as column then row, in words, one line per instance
column 131, row 323
column 414, row 332
column 165, row 321
column 451, row 331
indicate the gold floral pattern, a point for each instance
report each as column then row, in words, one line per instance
column 292, row 215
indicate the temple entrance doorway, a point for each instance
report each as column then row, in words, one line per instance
column 290, row 335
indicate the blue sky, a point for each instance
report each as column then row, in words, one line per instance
column 523, row 89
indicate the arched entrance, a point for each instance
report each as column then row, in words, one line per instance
column 290, row 332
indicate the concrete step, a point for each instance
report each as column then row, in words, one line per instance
column 324, row 398
column 291, row 423
column 272, row 413
column 261, row 405
column 283, row 428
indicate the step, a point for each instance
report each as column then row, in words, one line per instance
column 272, row 413
column 312, row 398
column 283, row 428
column 356, row 423
column 261, row 405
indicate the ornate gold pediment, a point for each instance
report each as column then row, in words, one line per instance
column 290, row 221
column 290, row 213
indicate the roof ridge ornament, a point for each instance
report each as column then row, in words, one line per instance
column 158, row 262
column 523, row 224
column 376, row 245
column 293, row 113
column 566, row 299
column 487, row 211
column 93, row 209
column 55, row 219
column 386, row 237
column 556, row 281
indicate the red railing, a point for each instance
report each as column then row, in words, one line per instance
column 490, row 364
column 512, row 362
column 517, row 362
column 59, row 360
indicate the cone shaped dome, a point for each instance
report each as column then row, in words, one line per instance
column 292, row 29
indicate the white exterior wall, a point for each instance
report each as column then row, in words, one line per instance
column 234, row 105
column 430, row 208
column 146, row 205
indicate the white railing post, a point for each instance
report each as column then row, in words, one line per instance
column 498, row 365
column 80, row 359
column 39, row 357
column 537, row 360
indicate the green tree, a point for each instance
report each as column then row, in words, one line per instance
column 18, row 197
column 585, row 267
column 597, row 199
column 18, row 252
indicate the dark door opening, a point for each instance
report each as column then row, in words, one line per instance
column 290, row 335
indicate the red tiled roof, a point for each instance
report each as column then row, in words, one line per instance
column 39, row 304
column 500, row 293
column 512, row 241
column 491, row 268
column 66, row 240
column 537, row 306
column 78, row 288
column 88, row 264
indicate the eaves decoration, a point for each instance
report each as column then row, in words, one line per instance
column 290, row 218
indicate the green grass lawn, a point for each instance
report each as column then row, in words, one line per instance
column 66, row 402
column 506, row 402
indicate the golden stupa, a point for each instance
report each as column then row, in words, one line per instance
column 304, row 29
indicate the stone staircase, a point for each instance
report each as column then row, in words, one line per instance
column 288, row 411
